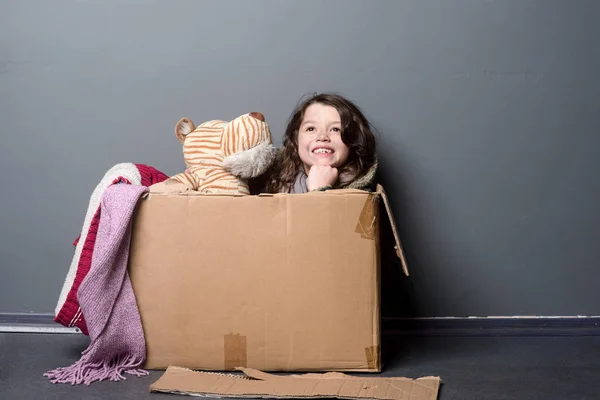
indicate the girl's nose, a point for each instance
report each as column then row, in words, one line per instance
column 322, row 136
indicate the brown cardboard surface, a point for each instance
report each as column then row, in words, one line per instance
column 275, row 282
column 257, row 384
column 398, row 246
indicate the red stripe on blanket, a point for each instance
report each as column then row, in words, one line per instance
column 70, row 313
column 71, row 306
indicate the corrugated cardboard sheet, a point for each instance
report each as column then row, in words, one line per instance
column 277, row 283
column 257, row 384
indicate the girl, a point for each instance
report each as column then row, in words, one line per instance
column 328, row 144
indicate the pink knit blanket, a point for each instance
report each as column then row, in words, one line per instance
column 107, row 299
column 67, row 311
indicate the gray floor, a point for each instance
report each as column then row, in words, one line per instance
column 475, row 368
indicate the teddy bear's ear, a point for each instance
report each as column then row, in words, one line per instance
column 258, row 116
column 183, row 128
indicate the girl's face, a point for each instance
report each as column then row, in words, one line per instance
column 320, row 137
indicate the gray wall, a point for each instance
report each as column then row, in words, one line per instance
column 488, row 114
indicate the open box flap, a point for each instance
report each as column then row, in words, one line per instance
column 398, row 246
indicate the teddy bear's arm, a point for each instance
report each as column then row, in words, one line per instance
column 190, row 180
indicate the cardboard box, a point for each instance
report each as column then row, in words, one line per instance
column 285, row 282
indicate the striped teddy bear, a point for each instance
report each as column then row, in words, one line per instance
column 221, row 156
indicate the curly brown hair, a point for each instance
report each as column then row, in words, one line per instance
column 356, row 134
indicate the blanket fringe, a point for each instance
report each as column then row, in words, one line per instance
column 85, row 372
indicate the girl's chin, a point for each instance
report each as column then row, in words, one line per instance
column 324, row 161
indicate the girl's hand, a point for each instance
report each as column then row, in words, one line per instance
column 320, row 176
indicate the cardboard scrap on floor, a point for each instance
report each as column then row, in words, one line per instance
column 258, row 384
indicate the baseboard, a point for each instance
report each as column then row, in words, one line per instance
column 32, row 323
column 459, row 327
column 493, row 326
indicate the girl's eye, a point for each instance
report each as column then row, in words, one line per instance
column 336, row 129
column 310, row 129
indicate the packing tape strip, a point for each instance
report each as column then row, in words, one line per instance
column 366, row 221
column 235, row 351
column 372, row 354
